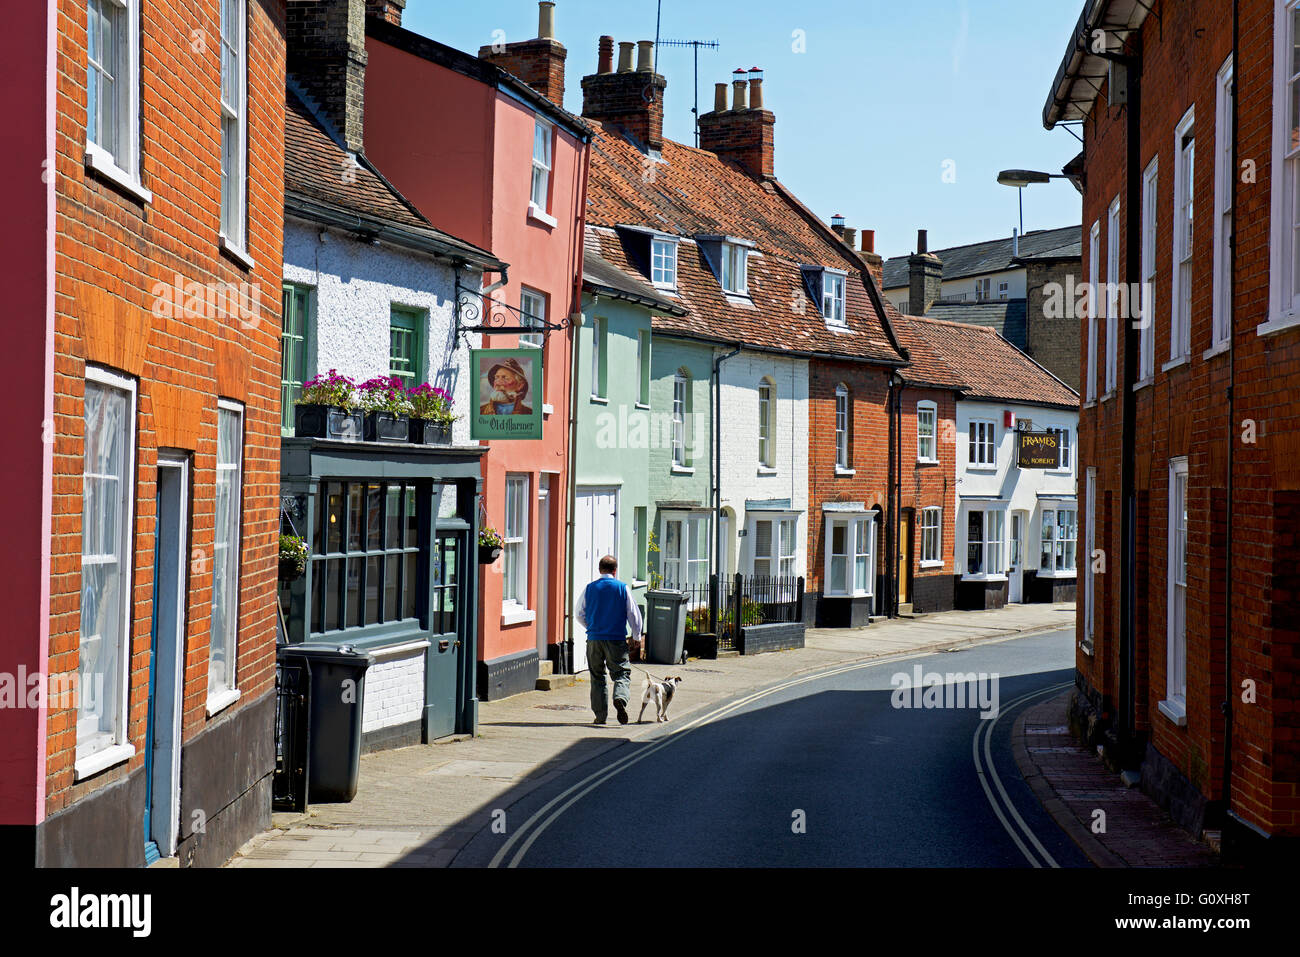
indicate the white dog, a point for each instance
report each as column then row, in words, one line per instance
column 661, row 693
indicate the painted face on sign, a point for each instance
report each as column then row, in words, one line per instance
column 507, row 382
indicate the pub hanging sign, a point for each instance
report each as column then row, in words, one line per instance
column 506, row 383
column 1038, row 450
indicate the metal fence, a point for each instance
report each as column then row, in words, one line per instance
column 723, row 607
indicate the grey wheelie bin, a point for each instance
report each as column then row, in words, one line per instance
column 334, row 705
column 665, row 614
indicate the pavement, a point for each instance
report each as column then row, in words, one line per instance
column 1073, row 786
column 418, row 806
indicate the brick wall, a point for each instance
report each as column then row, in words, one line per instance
column 539, row 63
column 1184, row 412
column 1052, row 341
column 394, row 691
column 111, row 250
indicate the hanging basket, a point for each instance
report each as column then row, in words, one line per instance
column 291, row 570
column 487, row 554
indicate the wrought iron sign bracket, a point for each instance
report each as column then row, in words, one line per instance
column 473, row 315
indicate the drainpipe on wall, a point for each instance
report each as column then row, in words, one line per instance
column 715, row 596
column 566, row 652
column 893, row 505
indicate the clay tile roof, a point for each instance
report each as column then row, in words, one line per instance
column 319, row 169
column 693, row 193
column 986, row 365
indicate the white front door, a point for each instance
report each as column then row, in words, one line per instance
column 1015, row 572
column 595, row 535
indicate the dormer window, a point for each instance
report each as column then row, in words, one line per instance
column 833, row 297
column 663, row 263
column 735, row 277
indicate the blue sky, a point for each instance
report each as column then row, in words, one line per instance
column 886, row 93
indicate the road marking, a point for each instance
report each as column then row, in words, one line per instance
column 986, row 728
column 596, row 778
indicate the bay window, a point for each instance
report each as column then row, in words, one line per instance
column 1058, row 536
column 103, row 653
column 850, row 555
column 224, row 632
column 984, row 542
column 774, row 547
column 684, row 552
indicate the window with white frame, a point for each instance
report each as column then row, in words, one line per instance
column 1094, row 309
column 1062, row 434
column 850, row 555
column 108, row 485
column 599, row 358
column 983, row 445
column 833, row 297
column 684, row 550
column 532, row 309
column 1089, row 543
column 234, row 123
column 927, row 442
column 541, row 186
column 1112, row 291
column 1223, row 186
column 1058, row 534
column 663, row 263
column 1176, row 651
column 1180, row 306
column 643, row 367
column 735, row 265
column 223, row 640
column 931, row 536
column 984, row 288
column 681, row 403
column 1147, row 336
column 113, row 86
column 774, row 547
column 1284, row 229
column 767, row 424
column 1004, row 289
column 984, row 542
column 514, row 566
column 842, row 426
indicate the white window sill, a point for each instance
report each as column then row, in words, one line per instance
column 983, row 578
column 683, row 470
column 540, row 215
column 1090, row 403
column 937, row 563
column 1286, row 320
column 981, row 468
column 221, row 700
column 101, row 163
column 921, row 461
column 547, row 408
column 1108, row 395
column 837, row 326
column 841, row 471
column 1063, row 573
column 100, row 760
column 1175, row 363
column 1143, row 383
column 1217, row 350
column 600, row 400
column 666, row 286
column 528, row 343
column 642, row 406
column 512, row 614
column 765, row 470
column 237, row 253
column 1175, row 711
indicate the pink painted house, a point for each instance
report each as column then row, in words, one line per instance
column 498, row 162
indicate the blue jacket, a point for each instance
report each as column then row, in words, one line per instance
column 606, row 610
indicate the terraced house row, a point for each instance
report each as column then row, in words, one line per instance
column 624, row 345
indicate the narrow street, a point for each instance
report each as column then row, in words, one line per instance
column 874, row 785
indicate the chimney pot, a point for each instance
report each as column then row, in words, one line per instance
column 851, row 237
column 644, row 57
column 625, row 56
column 738, row 94
column 837, row 220
column 868, row 240
column 546, row 20
column 720, row 97
column 605, row 55
column 922, row 246
column 756, row 92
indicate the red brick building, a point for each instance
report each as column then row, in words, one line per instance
column 141, row 569
column 1189, row 494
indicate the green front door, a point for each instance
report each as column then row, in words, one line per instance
column 446, row 624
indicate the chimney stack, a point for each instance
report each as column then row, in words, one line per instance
column 924, row 277
column 325, row 52
column 632, row 101
column 743, row 135
column 538, row 62
column 389, row 10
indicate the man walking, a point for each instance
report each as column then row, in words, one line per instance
column 605, row 609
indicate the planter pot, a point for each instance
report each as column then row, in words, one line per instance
column 487, row 554
column 428, row 432
column 327, row 422
column 701, row 644
column 386, row 427
column 291, row 570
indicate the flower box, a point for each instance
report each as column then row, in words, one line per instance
column 327, row 422
column 487, row 554
column 386, row 427
column 430, row 432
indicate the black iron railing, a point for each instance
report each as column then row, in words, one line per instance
column 724, row 607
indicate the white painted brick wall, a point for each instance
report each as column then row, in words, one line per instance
column 741, row 479
column 356, row 286
column 394, row 691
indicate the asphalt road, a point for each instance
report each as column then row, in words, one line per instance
column 818, row 771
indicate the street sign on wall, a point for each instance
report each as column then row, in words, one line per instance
column 506, row 383
column 1038, row 450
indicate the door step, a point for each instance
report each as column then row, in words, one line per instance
column 549, row 682
column 905, row 609
column 545, row 668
